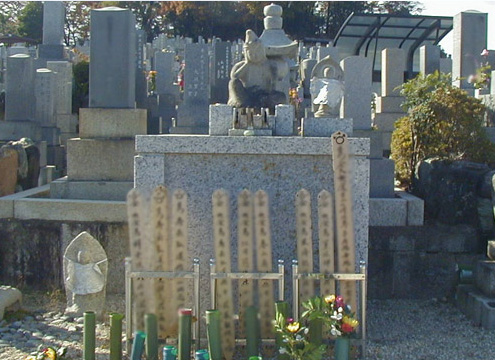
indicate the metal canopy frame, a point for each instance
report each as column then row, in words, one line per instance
column 369, row 34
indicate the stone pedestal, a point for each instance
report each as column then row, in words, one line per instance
column 279, row 165
column 325, row 127
column 103, row 153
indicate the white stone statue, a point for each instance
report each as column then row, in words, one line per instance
column 327, row 87
column 85, row 276
column 252, row 81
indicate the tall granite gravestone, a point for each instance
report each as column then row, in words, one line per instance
column 429, row 59
column 100, row 161
column 470, row 36
column 141, row 88
column 85, row 276
column 66, row 121
column 19, row 100
column 357, row 105
column 220, row 72
column 167, row 91
column 192, row 117
column 52, row 47
column 388, row 106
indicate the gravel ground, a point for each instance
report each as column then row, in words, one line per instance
column 397, row 329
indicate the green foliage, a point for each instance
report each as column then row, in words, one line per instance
column 295, row 342
column 81, row 86
column 31, row 21
column 442, row 121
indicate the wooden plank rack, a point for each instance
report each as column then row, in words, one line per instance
column 131, row 275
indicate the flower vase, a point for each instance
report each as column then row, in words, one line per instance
column 342, row 348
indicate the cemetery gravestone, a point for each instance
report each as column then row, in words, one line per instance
column 221, row 66
column 112, row 69
column 53, row 30
column 470, row 38
column 19, row 105
column 192, row 117
column 103, row 154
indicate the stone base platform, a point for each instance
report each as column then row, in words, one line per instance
column 402, row 210
column 90, row 190
column 477, row 307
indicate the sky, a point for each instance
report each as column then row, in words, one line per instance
column 452, row 7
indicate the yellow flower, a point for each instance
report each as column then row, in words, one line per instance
column 50, row 353
column 329, row 299
column 348, row 320
column 293, row 327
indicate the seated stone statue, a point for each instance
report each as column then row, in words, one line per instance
column 252, row 81
column 327, row 87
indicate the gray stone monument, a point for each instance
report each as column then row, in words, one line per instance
column 112, row 69
column 220, row 75
column 470, row 36
column 168, row 92
column 100, row 161
column 357, row 96
column 85, row 276
column 388, row 105
column 141, row 85
column 53, row 31
column 66, row 121
column 429, row 59
column 19, row 100
column 192, row 117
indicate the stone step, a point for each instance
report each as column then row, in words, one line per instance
column 478, row 308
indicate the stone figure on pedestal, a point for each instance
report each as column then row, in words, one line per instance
column 327, row 87
column 252, row 80
column 85, row 275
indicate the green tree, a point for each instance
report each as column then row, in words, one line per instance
column 9, row 16
column 149, row 16
column 442, row 121
column 31, row 21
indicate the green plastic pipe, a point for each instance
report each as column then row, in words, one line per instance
column 151, row 328
column 184, row 342
column 116, row 336
column 213, row 333
column 316, row 332
column 281, row 307
column 89, row 335
column 138, row 345
column 252, row 332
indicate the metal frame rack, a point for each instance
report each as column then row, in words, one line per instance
column 130, row 275
column 274, row 276
column 361, row 277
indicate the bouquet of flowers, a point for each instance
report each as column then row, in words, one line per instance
column 333, row 312
column 295, row 343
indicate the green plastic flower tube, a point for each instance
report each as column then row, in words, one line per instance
column 116, row 336
column 281, row 307
column 151, row 328
column 89, row 335
column 252, row 332
column 213, row 333
column 138, row 345
column 184, row 342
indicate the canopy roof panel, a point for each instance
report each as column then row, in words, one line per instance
column 368, row 34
